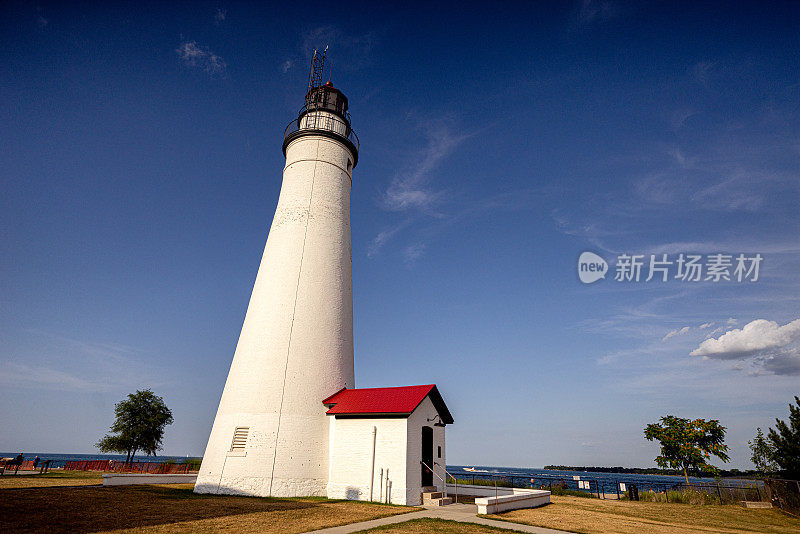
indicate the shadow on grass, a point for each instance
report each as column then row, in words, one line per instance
column 92, row 509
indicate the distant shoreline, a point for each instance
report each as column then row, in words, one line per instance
column 649, row 471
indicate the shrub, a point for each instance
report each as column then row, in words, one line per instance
column 684, row 496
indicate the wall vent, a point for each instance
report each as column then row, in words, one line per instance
column 239, row 438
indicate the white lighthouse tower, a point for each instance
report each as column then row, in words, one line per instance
column 270, row 435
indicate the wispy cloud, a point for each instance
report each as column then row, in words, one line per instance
column 676, row 332
column 201, row 57
column 20, row 374
column 51, row 361
column 412, row 193
column 591, row 12
column 702, row 71
column 411, row 190
column 286, row 66
column 219, row 15
column 413, row 252
column 352, row 51
column 384, row 236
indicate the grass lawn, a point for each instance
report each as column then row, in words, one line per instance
column 428, row 525
column 592, row 516
column 52, row 478
column 173, row 508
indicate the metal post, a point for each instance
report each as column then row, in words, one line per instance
column 495, row 495
column 719, row 492
column 666, row 493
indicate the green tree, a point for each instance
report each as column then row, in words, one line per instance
column 763, row 453
column 785, row 440
column 138, row 426
column 687, row 444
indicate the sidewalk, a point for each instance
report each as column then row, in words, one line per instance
column 463, row 513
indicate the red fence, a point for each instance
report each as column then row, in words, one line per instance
column 130, row 467
column 26, row 465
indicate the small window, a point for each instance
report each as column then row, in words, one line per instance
column 439, row 451
column 349, row 165
column 239, row 438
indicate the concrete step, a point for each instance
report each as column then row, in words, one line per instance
column 756, row 504
column 432, row 495
column 443, row 501
column 428, row 489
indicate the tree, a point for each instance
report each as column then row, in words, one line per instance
column 785, row 440
column 687, row 444
column 763, row 453
column 139, row 425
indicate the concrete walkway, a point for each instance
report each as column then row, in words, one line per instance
column 463, row 513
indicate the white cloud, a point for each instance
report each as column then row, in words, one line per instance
column 203, row 58
column 731, row 321
column 676, row 332
column 755, row 337
column 706, row 325
column 410, row 189
column 220, row 15
column 286, row 66
column 768, row 347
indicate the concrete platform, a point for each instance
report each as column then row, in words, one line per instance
column 491, row 500
column 516, row 501
column 132, row 479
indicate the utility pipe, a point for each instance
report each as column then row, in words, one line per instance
column 372, row 466
column 380, row 480
column 387, row 485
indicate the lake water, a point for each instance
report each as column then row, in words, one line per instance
column 607, row 482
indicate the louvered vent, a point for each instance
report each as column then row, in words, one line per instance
column 239, row 438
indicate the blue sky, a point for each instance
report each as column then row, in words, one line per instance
column 141, row 166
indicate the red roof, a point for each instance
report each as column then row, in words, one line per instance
column 383, row 401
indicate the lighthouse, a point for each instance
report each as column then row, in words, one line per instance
column 270, row 436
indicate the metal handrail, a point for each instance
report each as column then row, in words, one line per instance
column 322, row 106
column 455, row 480
column 434, row 472
column 444, row 482
column 322, row 122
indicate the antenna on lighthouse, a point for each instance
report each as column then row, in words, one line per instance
column 317, row 69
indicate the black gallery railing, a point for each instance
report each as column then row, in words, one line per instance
column 322, row 122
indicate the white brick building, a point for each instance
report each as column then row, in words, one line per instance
column 384, row 442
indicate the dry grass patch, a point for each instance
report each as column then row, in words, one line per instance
column 51, row 479
column 592, row 516
column 427, row 525
column 173, row 508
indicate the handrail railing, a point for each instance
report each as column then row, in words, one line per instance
column 444, row 480
column 323, row 106
column 321, row 122
column 455, row 480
